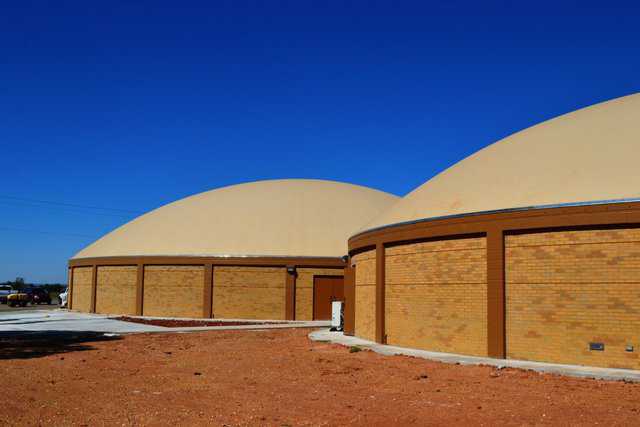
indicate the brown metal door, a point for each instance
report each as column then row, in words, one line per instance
column 338, row 289
column 326, row 289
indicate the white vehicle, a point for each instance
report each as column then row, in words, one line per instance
column 5, row 290
column 63, row 298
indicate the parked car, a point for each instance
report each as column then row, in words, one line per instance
column 63, row 298
column 39, row 296
column 18, row 299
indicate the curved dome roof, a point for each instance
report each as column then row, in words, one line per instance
column 291, row 217
column 588, row 155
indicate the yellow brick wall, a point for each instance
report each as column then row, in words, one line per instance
column 173, row 291
column 249, row 292
column 82, row 277
column 435, row 296
column 566, row 289
column 365, row 271
column 304, row 289
column 116, row 289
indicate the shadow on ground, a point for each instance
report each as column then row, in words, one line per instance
column 33, row 344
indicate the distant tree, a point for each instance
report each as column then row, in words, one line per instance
column 19, row 284
column 52, row 287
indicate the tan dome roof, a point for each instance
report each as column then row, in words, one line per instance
column 290, row 217
column 586, row 156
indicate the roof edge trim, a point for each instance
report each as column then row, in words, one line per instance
column 495, row 211
column 316, row 257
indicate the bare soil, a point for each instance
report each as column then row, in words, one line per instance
column 173, row 323
column 279, row 378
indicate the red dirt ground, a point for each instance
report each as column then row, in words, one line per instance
column 172, row 323
column 280, row 378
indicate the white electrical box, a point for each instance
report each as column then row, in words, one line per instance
column 336, row 315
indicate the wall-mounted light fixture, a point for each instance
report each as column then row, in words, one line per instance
column 291, row 270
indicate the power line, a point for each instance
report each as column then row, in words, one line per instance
column 24, row 230
column 65, row 209
column 73, row 205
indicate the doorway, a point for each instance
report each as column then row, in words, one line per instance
column 326, row 289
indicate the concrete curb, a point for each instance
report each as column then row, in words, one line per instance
column 165, row 329
column 324, row 335
column 266, row 324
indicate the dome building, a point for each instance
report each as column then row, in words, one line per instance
column 528, row 249
column 261, row 250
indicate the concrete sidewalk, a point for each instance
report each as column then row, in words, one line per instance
column 63, row 320
column 570, row 370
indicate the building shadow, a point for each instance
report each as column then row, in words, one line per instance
column 34, row 344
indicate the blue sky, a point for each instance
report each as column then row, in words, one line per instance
column 130, row 105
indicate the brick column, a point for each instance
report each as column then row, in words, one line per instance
column 94, row 283
column 70, row 289
column 349, row 299
column 290, row 294
column 496, row 346
column 207, row 303
column 380, row 294
column 139, row 290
